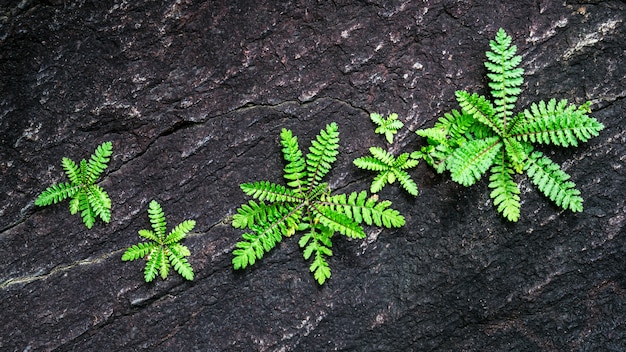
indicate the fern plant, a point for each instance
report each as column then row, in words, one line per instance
column 162, row 250
column 305, row 204
column 387, row 126
column 489, row 136
column 87, row 197
column 389, row 168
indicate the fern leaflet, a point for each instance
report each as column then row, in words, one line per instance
column 553, row 182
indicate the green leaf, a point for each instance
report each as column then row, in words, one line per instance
column 139, row 250
column 481, row 109
column 182, row 266
column 295, row 169
column 56, row 193
column 470, row 161
column 99, row 202
column 152, row 265
column 72, row 171
column 322, row 153
column 98, row 162
column 559, row 124
column 553, row 182
column 265, row 190
column 339, row 222
column 180, row 231
column 157, row 219
column 505, row 192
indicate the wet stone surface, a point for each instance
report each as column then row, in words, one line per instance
column 193, row 95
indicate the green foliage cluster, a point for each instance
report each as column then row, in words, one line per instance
column 389, row 168
column 487, row 136
column 306, row 204
column 162, row 250
column 87, row 197
column 483, row 136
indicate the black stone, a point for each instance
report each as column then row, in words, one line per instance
column 193, row 96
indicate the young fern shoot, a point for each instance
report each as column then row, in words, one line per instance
column 162, row 250
column 87, row 197
column 389, row 169
column 307, row 205
column 387, row 126
column 488, row 136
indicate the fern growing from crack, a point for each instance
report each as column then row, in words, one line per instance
column 488, row 136
column 389, row 169
column 388, row 126
column 305, row 204
column 87, row 197
column 162, row 251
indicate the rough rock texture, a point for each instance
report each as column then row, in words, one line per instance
column 193, row 95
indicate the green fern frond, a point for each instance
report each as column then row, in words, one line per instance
column 179, row 262
column 86, row 210
column 406, row 182
column 265, row 190
column 157, row 219
column 318, row 243
column 162, row 250
column 179, row 232
column 361, row 208
column 559, row 124
column 387, row 126
column 553, row 182
column 90, row 199
column 152, row 265
column 470, row 161
column 56, row 193
column 322, row 153
column 371, row 163
column 283, row 221
column 98, row 162
column 481, row 109
column 505, row 193
column 251, row 213
column 138, row 251
column 448, row 133
column 306, row 206
column 72, row 171
column 100, row 202
column 505, row 76
column 295, row 170
column 338, row 222
column 149, row 234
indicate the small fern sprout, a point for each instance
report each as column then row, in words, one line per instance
column 305, row 205
column 387, row 126
column 87, row 197
column 487, row 136
column 162, row 250
column 389, row 169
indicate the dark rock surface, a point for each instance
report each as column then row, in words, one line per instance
column 193, row 95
